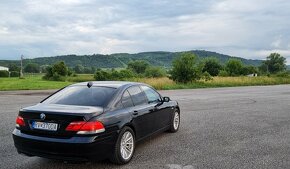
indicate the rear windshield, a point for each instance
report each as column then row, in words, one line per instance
column 82, row 96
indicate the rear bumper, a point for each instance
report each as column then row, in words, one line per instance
column 74, row 148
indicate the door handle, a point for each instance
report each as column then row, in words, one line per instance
column 135, row 112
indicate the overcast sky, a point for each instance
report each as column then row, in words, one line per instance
column 244, row 28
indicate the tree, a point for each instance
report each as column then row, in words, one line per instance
column 274, row 63
column 212, row 66
column 153, row 71
column 79, row 69
column 246, row 70
column 57, row 72
column 60, row 68
column 184, row 69
column 32, row 68
column 13, row 67
column 234, row 67
column 102, row 75
column 138, row 66
column 43, row 68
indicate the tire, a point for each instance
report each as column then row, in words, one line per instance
column 120, row 155
column 175, row 122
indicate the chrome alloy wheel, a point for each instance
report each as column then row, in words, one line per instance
column 176, row 120
column 127, row 145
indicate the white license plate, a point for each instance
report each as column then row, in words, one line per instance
column 44, row 126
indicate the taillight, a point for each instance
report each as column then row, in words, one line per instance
column 19, row 121
column 82, row 127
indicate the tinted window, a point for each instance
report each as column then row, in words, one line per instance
column 82, row 96
column 137, row 95
column 126, row 99
column 151, row 94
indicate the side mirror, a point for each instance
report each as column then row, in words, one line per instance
column 165, row 99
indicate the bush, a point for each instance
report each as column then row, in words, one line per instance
column 155, row 72
column 79, row 69
column 246, row 70
column 14, row 74
column 234, row 67
column 138, row 66
column 4, row 73
column 125, row 74
column 57, row 77
column 57, row 72
column 282, row 74
column 60, row 68
column 102, row 75
column 206, row 76
column 211, row 66
column 184, row 69
column 223, row 73
column 70, row 72
column 32, row 68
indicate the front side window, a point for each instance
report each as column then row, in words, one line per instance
column 137, row 95
column 151, row 94
column 82, row 96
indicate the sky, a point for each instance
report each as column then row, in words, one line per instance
column 244, row 28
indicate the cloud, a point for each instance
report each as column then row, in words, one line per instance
column 249, row 28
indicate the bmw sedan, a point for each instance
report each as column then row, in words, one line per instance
column 94, row 121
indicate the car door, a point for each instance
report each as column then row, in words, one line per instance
column 161, row 112
column 142, row 113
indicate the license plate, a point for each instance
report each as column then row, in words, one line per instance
column 44, row 126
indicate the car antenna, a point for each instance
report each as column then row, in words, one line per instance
column 90, row 84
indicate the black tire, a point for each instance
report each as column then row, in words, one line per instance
column 117, row 157
column 173, row 128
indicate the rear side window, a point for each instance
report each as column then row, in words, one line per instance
column 126, row 100
column 151, row 94
column 137, row 95
column 82, row 96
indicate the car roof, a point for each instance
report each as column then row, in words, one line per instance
column 113, row 84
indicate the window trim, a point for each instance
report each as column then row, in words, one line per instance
column 131, row 95
column 153, row 90
column 126, row 90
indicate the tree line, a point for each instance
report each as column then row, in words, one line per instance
column 185, row 68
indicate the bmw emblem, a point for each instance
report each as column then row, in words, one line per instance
column 42, row 116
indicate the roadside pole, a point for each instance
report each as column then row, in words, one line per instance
column 21, row 68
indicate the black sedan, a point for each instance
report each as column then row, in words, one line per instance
column 94, row 120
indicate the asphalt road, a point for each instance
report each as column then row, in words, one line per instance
column 241, row 127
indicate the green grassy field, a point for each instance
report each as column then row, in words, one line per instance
column 34, row 82
column 30, row 83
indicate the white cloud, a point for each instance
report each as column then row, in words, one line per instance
column 249, row 28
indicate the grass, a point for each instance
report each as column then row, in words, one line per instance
column 81, row 78
column 167, row 84
column 30, row 83
column 33, row 82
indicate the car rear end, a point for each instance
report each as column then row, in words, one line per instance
column 59, row 136
column 63, row 131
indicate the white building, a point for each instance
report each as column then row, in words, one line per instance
column 4, row 68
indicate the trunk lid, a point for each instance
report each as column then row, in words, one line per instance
column 62, row 115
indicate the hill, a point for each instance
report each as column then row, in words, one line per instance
column 118, row 60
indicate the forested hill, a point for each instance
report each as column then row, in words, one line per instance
column 121, row 59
